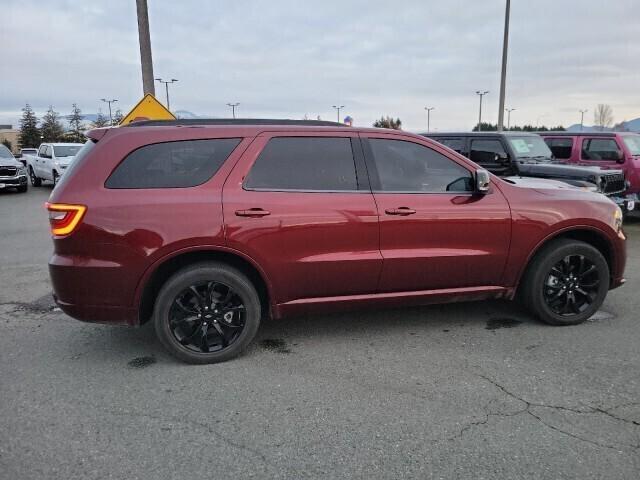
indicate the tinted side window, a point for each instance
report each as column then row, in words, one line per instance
column 304, row 163
column 456, row 144
column 484, row 151
column 599, row 149
column 172, row 164
column 409, row 167
column 560, row 147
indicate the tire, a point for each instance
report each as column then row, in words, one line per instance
column 55, row 177
column 35, row 181
column 207, row 340
column 22, row 188
column 558, row 278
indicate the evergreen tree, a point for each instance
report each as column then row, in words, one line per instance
column 388, row 122
column 117, row 117
column 29, row 132
column 100, row 121
column 51, row 129
column 76, row 128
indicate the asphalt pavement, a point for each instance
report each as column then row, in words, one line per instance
column 477, row 390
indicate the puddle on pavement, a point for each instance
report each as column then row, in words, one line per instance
column 601, row 315
column 44, row 304
column 141, row 362
column 502, row 322
column 275, row 345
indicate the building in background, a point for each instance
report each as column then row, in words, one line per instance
column 7, row 132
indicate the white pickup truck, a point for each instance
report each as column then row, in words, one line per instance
column 51, row 161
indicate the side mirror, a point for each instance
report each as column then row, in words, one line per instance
column 498, row 158
column 620, row 156
column 483, row 181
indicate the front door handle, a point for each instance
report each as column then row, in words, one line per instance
column 400, row 211
column 252, row 212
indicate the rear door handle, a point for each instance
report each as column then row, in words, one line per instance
column 252, row 212
column 400, row 211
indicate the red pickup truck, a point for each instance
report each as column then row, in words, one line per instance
column 619, row 150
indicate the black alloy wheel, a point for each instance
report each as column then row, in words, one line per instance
column 207, row 312
column 207, row 317
column 566, row 282
column 572, row 285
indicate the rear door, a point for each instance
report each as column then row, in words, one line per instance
column 300, row 205
column 435, row 232
column 561, row 147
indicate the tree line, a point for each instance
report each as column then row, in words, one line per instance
column 50, row 129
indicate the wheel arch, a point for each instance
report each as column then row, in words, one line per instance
column 163, row 269
column 589, row 235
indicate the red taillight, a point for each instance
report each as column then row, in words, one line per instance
column 64, row 218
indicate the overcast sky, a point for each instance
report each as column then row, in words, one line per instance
column 285, row 58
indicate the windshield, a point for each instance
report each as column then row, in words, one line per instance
column 4, row 152
column 633, row 143
column 66, row 150
column 530, row 147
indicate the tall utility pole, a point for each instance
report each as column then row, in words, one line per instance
column 428, row 109
column 482, row 94
column 110, row 102
column 166, row 86
column 233, row 108
column 145, row 48
column 509, row 110
column 503, row 74
column 338, row 109
column 582, row 112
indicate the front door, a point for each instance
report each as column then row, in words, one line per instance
column 300, row 205
column 435, row 231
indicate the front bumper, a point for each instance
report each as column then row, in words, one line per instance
column 627, row 202
column 13, row 182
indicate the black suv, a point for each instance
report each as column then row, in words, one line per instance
column 518, row 154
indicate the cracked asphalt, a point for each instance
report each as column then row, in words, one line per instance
column 478, row 390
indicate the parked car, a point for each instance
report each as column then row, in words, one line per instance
column 615, row 150
column 12, row 172
column 25, row 152
column 51, row 161
column 206, row 231
column 508, row 154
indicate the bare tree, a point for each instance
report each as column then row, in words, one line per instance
column 603, row 116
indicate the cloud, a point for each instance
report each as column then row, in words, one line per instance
column 290, row 58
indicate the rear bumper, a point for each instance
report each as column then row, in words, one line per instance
column 92, row 290
column 106, row 314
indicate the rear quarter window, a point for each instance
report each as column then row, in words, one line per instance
column 178, row 164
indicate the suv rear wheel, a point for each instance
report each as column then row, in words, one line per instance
column 566, row 282
column 207, row 313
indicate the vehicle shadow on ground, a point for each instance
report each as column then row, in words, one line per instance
column 95, row 342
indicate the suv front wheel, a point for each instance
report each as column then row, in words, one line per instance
column 566, row 282
column 207, row 313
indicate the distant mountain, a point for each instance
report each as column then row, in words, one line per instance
column 630, row 126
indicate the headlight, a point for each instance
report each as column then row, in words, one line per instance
column 617, row 218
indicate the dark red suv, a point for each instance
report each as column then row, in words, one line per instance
column 206, row 228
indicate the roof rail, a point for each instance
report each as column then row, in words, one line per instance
column 235, row 121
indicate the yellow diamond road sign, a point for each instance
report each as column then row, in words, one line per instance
column 149, row 108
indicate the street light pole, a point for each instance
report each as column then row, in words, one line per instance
column 233, row 108
column 144, row 38
column 503, row 74
column 481, row 94
column 582, row 112
column 166, row 87
column 428, row 109
column 338, row 109
column 509, row 110
column 110, row 102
